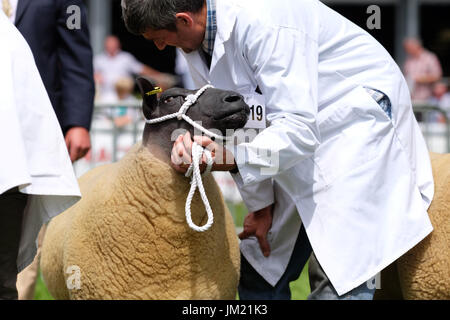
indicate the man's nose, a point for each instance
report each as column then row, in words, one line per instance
column 160, row 45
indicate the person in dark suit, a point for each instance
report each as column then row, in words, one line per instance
column 63, row 56
column 58, row 35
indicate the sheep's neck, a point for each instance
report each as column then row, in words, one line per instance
column 158, row 152
column 160, row 147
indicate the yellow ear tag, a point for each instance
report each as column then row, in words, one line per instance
column 154, row 91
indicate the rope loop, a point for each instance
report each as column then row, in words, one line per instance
column 196, row 182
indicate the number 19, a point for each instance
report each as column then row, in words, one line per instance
column 258, row 114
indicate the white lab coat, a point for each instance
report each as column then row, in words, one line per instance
column 33, row 152
column 362, row 183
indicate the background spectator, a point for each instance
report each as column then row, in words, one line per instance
column 123, row 115
column 114, row 64
column 422, row 69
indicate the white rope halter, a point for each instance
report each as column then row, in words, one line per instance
column 181, row 114
column 197, row 152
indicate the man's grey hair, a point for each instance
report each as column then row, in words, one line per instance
column 143, row 15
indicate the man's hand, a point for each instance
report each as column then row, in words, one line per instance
column 182, row 150
column 258, row 224
column 78, row 142
column 427, row 79
column 163, row 80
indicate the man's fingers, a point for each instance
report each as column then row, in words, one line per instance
column 244, row 234
column 176, row 146
column 187, row 141
column 209, row 145
column 72, row 155
column 205, row 142
column 187, row 148
column 264, row 245
column 82, row 151
column 74, row 152
column 262, row 240
column 176, row 160
column 180, row 154
column 177, row 151
column 78, row 143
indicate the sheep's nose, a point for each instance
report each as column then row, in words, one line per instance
column 233, row 98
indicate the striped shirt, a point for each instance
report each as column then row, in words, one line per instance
column 211, row 27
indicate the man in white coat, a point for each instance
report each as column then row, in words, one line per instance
column 37, row 181
column 342, row 166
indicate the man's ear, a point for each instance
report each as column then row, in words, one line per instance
column 149, row 95
column 184, row 19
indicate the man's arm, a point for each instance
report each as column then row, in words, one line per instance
column 77, row 82
column 163, row 80
column 284, row 62
column 434, row 71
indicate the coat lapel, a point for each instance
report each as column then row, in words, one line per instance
column 226, row 17
column 21, row 7
column 198, row 69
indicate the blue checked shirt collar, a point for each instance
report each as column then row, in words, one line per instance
column 211, row 27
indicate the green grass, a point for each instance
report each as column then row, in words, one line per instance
column 238, row 211
column 41, row 292
column 299, row 288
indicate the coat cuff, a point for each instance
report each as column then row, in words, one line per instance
column 255, row 196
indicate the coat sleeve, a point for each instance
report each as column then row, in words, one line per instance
column 284, row 62
column 255, row 196
column 75, row 59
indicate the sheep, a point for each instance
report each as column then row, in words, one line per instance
column 424, row 271
column 127, row 238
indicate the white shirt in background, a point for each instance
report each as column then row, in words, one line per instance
column 112, row 68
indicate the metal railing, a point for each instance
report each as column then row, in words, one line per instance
column 436, row 132
column 108, row 110
column 106, row 134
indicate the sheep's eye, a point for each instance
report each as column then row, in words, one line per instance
column 168, row 99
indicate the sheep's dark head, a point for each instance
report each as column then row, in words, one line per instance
column 215, row 109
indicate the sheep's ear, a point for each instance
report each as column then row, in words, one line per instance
column 149, row 95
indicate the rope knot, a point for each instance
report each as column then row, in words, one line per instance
column 192, row 98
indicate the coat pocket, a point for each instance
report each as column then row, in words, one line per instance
column 351, row 130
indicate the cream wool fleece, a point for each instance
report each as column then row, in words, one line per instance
column 129, row 238
column 423, row 273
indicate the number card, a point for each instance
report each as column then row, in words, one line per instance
column 257, row 116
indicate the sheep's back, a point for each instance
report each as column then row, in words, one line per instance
column 424, row 271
